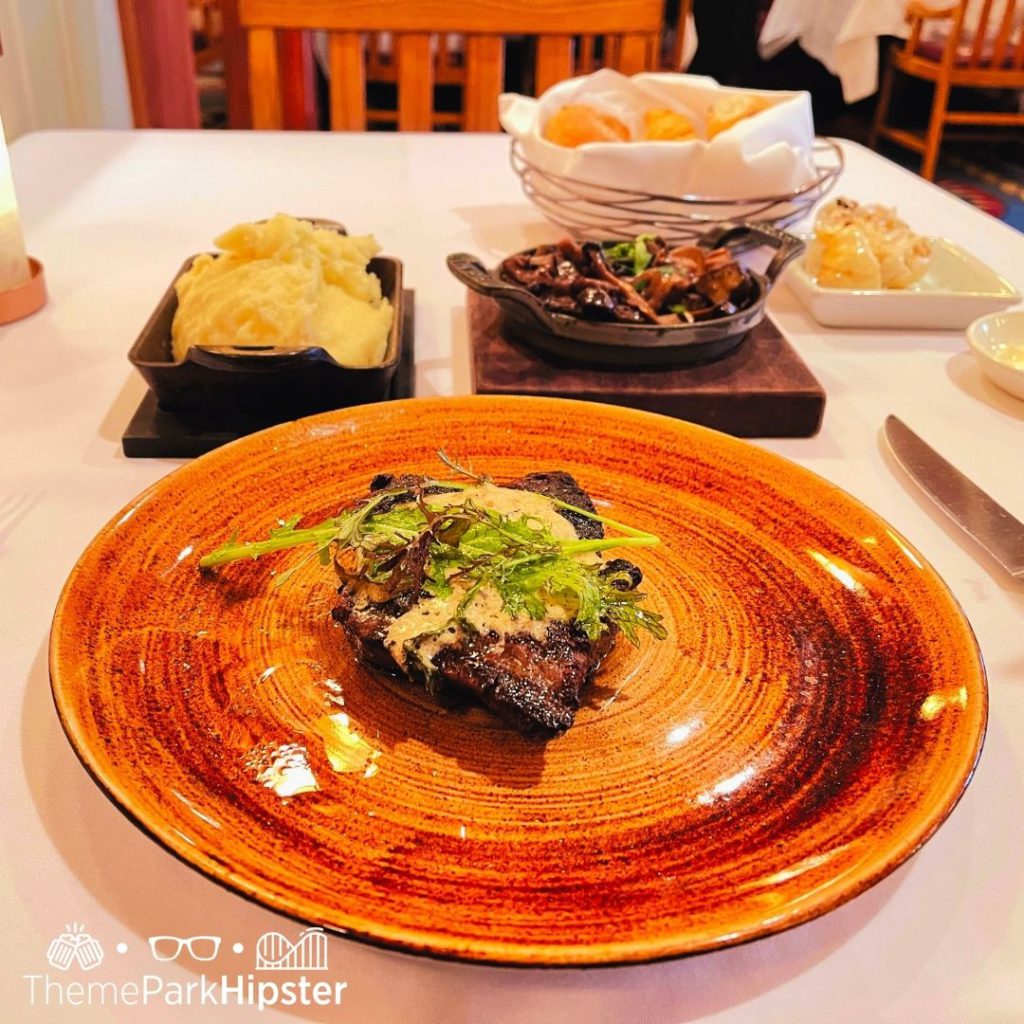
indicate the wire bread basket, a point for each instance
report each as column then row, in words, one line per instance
column 601, row 211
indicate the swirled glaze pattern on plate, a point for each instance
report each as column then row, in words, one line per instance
column 813, row 716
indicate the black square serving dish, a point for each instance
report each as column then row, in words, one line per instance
column 282, row 381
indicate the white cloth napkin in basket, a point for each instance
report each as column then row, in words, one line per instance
column 766, row 154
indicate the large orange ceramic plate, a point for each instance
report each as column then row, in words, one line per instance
column 813, row 716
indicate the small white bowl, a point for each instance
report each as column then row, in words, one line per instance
column 997, row 341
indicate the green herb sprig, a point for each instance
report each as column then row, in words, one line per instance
column 421, row 543
column 635, row 252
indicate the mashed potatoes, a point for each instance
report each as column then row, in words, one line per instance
column 285, row 282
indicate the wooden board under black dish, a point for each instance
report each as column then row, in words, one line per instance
column 760, row 389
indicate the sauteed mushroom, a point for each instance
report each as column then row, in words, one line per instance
column 640, row 281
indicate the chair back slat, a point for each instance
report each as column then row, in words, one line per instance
column 347, row 63
column 415, row 82
column 635, row 53
column 977, row 54
column 265, row 79
column 586, row 56
column 295, row 65
column 952, row 40
column 1000, row 48
column 554, row 61
column 612, row 51
column 485, row 79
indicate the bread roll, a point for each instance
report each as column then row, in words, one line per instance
column 663, row 125
column 576, row 123
column 730, row 110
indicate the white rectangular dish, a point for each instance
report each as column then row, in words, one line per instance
column 957, row 289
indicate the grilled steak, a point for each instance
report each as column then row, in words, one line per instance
column 531, row 674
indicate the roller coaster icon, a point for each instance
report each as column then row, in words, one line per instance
column 274, row 952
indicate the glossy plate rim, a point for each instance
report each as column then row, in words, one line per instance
column 504, row 953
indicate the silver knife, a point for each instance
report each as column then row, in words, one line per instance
column 979, row 515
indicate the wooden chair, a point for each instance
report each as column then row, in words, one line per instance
column 449, row 68
column 631, row 32
column 589, row 54
column 986, row 56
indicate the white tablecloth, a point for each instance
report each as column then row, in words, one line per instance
column 842, row 34
column 111, row 215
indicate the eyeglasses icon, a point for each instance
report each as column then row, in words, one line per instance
column 168, row 947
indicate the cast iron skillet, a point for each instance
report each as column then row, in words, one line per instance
column 631, row 346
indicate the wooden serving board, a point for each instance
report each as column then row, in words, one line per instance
column 762, row 389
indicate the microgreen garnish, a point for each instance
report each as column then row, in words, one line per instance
column 419, row 540
column 682, row 310
column 455, row 467
column 634, row 251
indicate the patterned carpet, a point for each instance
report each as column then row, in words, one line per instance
column 983, row 177
column 995, row 186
